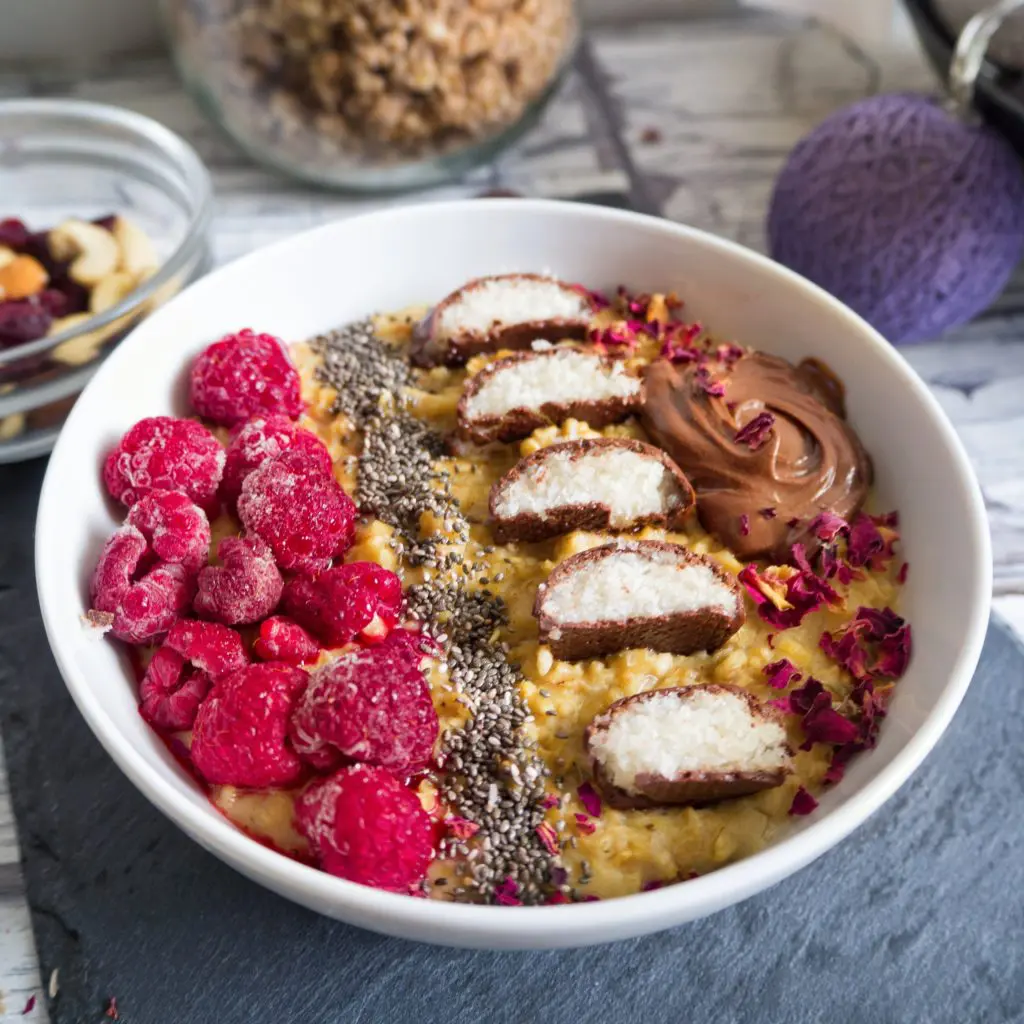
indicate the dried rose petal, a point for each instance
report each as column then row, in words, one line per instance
column 874, row 644
column 784, row 602
column 781, row 673
column 507, row 893
column 827, row 526
column 549, row 838
column 871, row 541
column 901, row 576
column 703, row 379
column 767, row 513
column 551, row 800
column 744, row 525
column 584, row 824
column 590, row 800
column 803, row 803
column 823, row 724
column 755, row 433
column 461, row 828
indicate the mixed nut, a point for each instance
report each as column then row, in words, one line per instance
column 54, row 282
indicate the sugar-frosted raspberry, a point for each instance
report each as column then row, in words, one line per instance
column 239, row 735
column 372, row 704
column 116, row 567
column 259, row 439
column 361, row 599
column 245, row 587
column 175, row 529
column 364, row 825
column 193, row 657
column 144, row 606
column 281, row 639
column 167, row 454
column 242, row 375
column 299, row 510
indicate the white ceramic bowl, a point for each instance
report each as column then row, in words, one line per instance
column 390, row 259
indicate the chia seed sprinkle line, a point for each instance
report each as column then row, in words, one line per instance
column 494, row 776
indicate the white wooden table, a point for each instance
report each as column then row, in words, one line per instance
column 729, row 98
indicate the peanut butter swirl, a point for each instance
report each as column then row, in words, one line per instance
column 804, row 460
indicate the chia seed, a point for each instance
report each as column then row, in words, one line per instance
column 493, row 773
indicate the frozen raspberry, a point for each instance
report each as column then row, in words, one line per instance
column 116, row 568
column 372, row 704
column 364, row 825
column 174, row 528
column 412, row 645
column 193, row 657
column 239, row 735
column 242, row 375
column 361, row 600
column 245, row 587
column 262, row 438
column 281, row 639
column 144, row 607
column 167, row 454
column 299, row 510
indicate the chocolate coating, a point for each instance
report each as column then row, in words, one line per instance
column 809, row 461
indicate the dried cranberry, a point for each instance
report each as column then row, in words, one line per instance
column 75, row 296
column 361, row 599
column 13, row 233
column 364, row 825
column 22, row 321
column 243, row 375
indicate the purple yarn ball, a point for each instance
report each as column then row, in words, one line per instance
column 912, row 218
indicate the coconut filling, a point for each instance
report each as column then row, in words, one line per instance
column 700, row 732
column 628, row 585
column 482, row 307
column 560, row 378
column 630, row 484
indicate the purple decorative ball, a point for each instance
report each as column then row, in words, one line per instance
column 912, row 218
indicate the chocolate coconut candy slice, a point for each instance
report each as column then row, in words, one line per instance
column 505, row 311
column 592, row 484
column 514, row 396
column 631, row 595
column 686, row 745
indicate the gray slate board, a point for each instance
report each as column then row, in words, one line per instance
column 919, row 917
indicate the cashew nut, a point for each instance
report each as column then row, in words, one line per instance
column 92, row 249
column 79, row 350
column 11, row 426
column 22, row 277
column 6, row 255
column 138, row 255
column 111, row 290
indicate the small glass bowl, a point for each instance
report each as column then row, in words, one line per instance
column 68, row 158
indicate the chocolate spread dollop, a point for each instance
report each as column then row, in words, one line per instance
column 799, row 460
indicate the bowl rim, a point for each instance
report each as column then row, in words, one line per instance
column 569, row 924
column 186, row 162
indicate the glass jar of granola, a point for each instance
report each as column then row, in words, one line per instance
column 372, row 94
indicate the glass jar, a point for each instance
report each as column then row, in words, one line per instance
column 372, row 94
